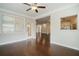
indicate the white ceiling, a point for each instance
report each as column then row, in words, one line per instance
column 21, row 8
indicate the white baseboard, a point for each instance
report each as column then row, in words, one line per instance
column 65, row 46
column 10, row 42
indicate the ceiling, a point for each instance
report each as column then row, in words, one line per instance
column 21, row 8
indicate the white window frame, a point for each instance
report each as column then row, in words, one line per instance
column 3, row 22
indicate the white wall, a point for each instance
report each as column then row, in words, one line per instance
column 20, row 33
column 67, row 38
column 0, row 24
column 33, row 27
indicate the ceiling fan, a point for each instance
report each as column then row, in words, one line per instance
column 34, row 7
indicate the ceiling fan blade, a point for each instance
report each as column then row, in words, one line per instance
column 36, row 10
column 35, row 3
column 28, row 9
column 27, row 4
column 41, row 7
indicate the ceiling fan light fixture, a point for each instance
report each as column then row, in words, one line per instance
column 34, row 7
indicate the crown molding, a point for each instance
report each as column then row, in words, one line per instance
column 15, row 13
column 40, row 16
column 56, row 10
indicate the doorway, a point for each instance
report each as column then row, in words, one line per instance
column 43, row 31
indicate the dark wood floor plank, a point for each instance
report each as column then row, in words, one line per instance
column 31, row 48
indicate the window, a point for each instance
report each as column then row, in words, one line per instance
column 69, row 22
column 11, row 24
column 8, row 24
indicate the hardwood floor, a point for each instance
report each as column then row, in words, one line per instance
column 30, row 48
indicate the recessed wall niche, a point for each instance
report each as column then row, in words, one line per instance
column 69, row 23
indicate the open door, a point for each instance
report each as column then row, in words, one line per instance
column 43, row 31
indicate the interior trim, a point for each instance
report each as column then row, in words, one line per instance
column 65, row 46
column 10, row 42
